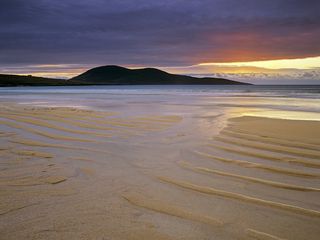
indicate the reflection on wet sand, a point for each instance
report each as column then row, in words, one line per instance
column 70, row 173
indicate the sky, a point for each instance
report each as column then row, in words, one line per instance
column 258, row 41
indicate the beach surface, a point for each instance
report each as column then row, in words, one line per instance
column 156, row 165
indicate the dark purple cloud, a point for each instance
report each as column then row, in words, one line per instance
column 156, row 33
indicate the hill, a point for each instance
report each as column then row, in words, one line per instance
column 17, row 80
column 115, row 75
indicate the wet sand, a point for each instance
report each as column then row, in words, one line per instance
column 68, row 173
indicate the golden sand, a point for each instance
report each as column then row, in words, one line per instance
column 33, row 153
column 250, row 179
column 70, row 173
column 290, row 130
column 237, row 150
column 222, row 193
column 261, row 235
column 248, row 164
column 8, row 208
column 169, row 209
column 42, row 133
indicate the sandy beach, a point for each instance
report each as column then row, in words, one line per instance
column 159, row 120
column 176, row 171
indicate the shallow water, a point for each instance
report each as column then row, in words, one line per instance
column 279, row 101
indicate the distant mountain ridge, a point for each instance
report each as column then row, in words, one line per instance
column 116, row 75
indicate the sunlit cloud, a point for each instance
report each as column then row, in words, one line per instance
column 295, row 71
column 300, row 63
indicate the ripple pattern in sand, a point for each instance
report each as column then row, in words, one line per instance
column 256, row 176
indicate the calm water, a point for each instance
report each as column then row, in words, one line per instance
column 296, row 102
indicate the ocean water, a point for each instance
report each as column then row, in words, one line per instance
column 279, row 101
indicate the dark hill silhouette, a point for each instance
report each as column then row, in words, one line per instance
column 114, row 75
column 148, row 76
column 17, row 80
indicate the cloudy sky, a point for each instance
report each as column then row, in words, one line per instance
column 230, row 38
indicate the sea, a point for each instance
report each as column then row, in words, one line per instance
column 298, row 102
